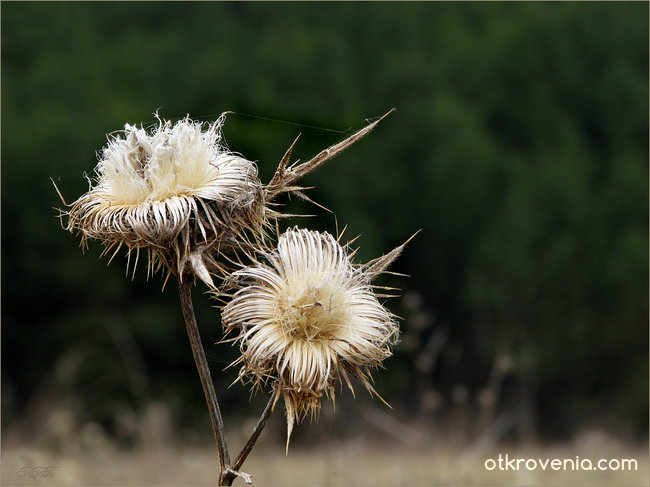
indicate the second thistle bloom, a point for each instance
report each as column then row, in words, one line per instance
column 308, row 319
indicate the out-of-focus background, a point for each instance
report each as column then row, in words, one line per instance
column 519, row 147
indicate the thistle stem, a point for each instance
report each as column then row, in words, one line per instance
column 185, row 290
column 257, row 431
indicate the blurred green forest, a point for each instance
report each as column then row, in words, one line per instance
column 519, row 147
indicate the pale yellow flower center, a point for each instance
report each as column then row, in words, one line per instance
column 314, row 312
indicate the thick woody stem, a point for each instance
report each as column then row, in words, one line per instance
column 185, row 289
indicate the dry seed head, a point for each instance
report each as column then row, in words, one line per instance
column 179, row 194
column 175, row 191
column 308, row 318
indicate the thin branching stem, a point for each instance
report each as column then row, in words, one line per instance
column 257, row 431
column 185, row 289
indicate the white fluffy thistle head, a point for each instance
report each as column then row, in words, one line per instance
column 175, row 191
column 308, row 318
column 180, row 194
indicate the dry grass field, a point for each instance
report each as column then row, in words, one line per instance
column 347, row 464
column 88, row 457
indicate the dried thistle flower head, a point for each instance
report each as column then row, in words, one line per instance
column 308, row 318
column 175, row 191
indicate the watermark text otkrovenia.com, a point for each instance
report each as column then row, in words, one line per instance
column 506, row 463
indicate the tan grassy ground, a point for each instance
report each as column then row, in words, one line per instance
column 353, row 463
column 389, row 453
